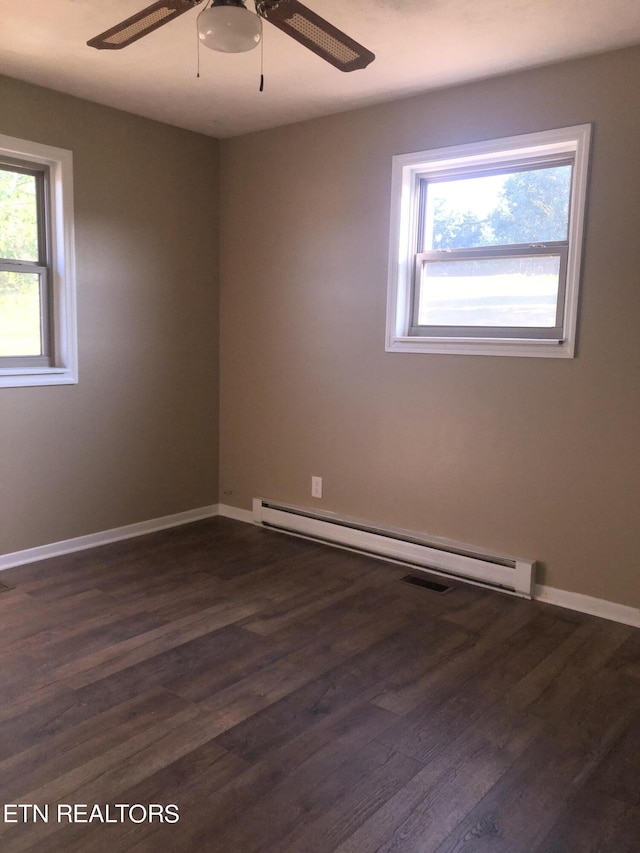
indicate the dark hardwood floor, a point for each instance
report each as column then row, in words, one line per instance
column 293, row 698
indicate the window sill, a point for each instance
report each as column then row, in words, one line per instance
column 21, row 378
column 485, row 346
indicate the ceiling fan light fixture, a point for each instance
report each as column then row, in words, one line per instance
column 229, row 27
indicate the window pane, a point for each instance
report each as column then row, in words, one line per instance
column 503, row 292
column 20, row 314
column 529, row 206
column 18, row 216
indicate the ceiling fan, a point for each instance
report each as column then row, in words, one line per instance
column 228, row 26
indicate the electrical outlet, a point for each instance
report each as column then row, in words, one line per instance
column 316, row 487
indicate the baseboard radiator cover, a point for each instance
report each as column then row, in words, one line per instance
column 418, row 551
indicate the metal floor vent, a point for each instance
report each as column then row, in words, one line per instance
column 434, row 586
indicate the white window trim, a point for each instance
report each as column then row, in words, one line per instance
column 405, row 177
column 64, row 368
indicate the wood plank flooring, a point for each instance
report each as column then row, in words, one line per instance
column 293, row 698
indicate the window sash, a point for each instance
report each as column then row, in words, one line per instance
column 462, row 173
column 44, row 359
column 40, row 173
column 41, row 267
column 497, row 251
column 557, row 249
column 502, row 165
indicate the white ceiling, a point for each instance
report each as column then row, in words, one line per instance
column 419, row 45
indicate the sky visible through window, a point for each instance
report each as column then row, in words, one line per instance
column 477, row 196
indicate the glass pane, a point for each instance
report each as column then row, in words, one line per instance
column 20, row 314
column 490, row 292
column 529, row 206
column 18, row 216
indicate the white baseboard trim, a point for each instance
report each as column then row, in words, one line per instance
column 587, row 604
column 105, row 537
column 236, row 513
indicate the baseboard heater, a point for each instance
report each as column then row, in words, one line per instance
column 431, row 554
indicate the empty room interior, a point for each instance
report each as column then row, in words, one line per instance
column 319, row 427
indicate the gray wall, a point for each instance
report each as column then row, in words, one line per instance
column 534, row 457
column 137, row 437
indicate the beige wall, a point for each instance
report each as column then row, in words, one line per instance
column 535, row 457
column 137, row 437
column 539, row 458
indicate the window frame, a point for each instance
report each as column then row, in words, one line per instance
column 528, row 151
column 58, row 363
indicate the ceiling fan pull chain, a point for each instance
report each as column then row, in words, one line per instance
column 262, row 64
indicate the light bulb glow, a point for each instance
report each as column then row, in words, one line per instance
column 229, row 29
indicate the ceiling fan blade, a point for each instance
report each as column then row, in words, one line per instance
column 314, row 32
column 140, row 24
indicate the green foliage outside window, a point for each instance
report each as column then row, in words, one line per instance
column 532, row 207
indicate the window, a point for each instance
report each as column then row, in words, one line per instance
column 485, row 248
column 37, row 286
